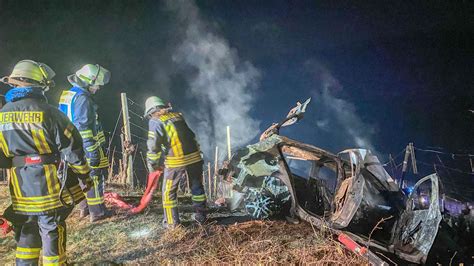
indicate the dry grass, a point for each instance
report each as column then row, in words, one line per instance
column 7, row 244
column 140, row 239
column 253, row 242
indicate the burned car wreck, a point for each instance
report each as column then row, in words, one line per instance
column 349, row 192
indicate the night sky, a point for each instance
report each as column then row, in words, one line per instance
column 381, row 74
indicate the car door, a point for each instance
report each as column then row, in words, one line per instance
column 349, row 190
column 417, row 226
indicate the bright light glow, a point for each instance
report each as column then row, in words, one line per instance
column 143, row 232
column 423, row 200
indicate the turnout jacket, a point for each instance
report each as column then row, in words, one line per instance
column 34, row 136
column 171, row 136
column 78, row 104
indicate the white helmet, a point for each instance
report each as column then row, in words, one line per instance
column 90, row 75
column 152, row 104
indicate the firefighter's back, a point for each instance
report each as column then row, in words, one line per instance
column 28, row 135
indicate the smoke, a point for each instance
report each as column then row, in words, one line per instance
column 340, row 116
column 221, row 86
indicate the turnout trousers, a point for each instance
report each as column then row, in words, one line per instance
column 171, row 182
column 46, row 232
column 94, row 202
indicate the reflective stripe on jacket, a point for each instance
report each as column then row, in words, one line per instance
column 30, row 127
column 81, row 109
column 170, row 135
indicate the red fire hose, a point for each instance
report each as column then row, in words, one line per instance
column 152, row 183
column 5, row 227
column 114, row 199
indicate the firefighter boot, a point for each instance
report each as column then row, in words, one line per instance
column 199, row 217
column 200, row 212
column 106, row 214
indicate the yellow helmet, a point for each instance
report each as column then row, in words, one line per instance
column 29, row 73
column 92, row 75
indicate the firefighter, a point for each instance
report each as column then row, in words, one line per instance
column 34, row 138
column 172, row 143
column 79, row 105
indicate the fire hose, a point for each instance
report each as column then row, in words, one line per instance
column 5, row 227
column 152, row 183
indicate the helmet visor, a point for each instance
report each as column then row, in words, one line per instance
column 103, row 77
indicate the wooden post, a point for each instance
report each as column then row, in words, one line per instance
column 188, row 186
column 203, row 180
column 228, row 141
column 229, row 153
column 216, row 158
column 120, row 175
column 209, row 183
column 111, row 166
column 472, row 165
column 123, row 162
column 413, row 159
column 405, row 165
column 127, row 139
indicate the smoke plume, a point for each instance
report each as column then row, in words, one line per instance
column 340, row 115
column 221, row 86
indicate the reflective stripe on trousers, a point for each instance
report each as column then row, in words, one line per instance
column 171, row 181
column 95, row 196
column 41, row 232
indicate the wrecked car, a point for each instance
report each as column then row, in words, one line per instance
column 348, row 192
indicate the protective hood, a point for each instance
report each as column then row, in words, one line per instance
column 16, row 94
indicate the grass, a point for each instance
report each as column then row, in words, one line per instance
column 140, row 239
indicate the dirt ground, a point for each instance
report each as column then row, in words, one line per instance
column 226, row 238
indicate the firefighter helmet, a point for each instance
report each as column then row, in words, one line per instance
column 152, row 104
column 91, row 75
column 29, row 73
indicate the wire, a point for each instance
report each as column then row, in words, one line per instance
column 133, row 124
column 130, row 100
column 143, row 160
column 446, row 153
column 133, row 102
column 138, row 137
column 136, row 114
column 449, row 168
column 115, row 129
column 393, row 158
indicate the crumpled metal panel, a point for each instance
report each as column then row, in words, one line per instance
column 417, row 229
column 373, row 165
column 347, row 201
column 254, row 161
column 261, row 183
column 257, row 190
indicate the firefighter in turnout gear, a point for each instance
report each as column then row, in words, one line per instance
column 78, row 104
column 35, row 139
column 172, row 142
